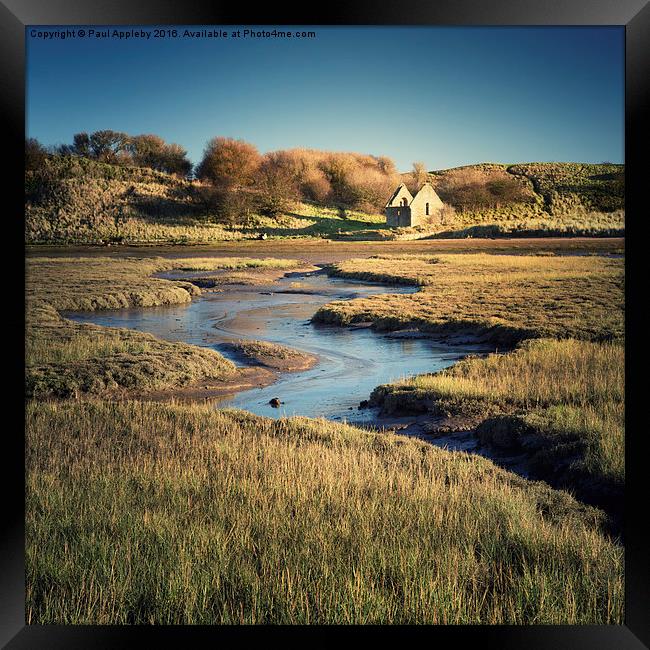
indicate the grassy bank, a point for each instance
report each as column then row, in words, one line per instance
column 559, row 401
column 563, row 400
column 554, row 192
column 76, row 200
column 149, row 513
column 272, row 355
column 65, row 359
column 586, row 224
column 90, row 283
column 500, row 298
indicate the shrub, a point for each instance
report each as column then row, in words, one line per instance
column 35, row 155
column 152, row 151
column 418, row 177
column 228, row 163
column 277, row 182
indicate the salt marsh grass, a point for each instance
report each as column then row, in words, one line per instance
column 163, row 514
column 65, row 359
column 505, row 298
column 564, row 391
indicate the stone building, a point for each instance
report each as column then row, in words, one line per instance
column 404, row 210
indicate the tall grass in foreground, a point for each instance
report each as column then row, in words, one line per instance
column 151, row 513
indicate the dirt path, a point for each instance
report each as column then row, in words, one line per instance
column 325, row 251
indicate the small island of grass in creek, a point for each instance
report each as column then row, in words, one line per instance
column 272, row 355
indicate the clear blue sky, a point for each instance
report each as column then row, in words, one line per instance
column 444, row 95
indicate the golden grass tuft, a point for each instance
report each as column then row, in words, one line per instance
column 565, row 391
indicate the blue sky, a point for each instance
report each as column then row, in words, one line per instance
column 444, row 95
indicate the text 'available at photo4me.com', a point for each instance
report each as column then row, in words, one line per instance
column 168, row 33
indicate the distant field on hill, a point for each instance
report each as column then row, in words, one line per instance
column 76, row 200
column 556, row 189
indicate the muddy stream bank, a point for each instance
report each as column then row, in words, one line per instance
column 351, row 362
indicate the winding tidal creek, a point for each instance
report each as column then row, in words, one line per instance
column 351, row 361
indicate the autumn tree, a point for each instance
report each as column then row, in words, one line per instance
column 152, row 151
column 230, row 167
column 338, row 171
column 228, row 163
column 176, row 160
column 277, row 182
column 359, row 181
column 386, row 166
column 471, row 189
column 108, row 146
column 81, row 144
column 420, row 175
column 146, row 150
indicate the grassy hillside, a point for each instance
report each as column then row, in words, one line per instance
column 77, row 200
column 568, row 187
column 150, row 513
column 533, row 189
column 532, row 199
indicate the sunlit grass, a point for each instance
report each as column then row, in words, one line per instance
column 502, row 297
column 218, row 263
column 66, row 359
column 149, row 513
column 562, row 390
column 88, row 283
column 158, row 513
column 539, row 373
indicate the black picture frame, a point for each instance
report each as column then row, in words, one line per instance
column 634, row 15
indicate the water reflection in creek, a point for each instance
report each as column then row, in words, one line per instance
column 351, row 361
